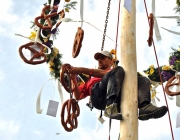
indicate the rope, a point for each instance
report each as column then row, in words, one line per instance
column 109, row 127
column 117, row 24
column 161, row 78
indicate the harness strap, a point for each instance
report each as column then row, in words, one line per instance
column 109, row 127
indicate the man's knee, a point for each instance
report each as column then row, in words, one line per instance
column 120, row 70
column 143, row 79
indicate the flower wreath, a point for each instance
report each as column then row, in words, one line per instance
column 153, row 73
column 167, row 71
column 174, row 59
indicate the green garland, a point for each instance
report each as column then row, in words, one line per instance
column 177, row 10
column 54, row 61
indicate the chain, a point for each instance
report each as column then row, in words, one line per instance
column 105, row 26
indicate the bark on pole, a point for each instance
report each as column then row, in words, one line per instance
column 129, row 100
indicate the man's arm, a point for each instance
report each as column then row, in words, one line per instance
column 93, row 72
column 75, row 88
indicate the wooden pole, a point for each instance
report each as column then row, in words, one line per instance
column 129, row 100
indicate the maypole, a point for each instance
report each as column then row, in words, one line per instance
column 129, row 100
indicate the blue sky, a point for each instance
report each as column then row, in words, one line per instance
column 20, row 83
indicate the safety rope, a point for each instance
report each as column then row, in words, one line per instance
column 117, row 25
column 160, row 77
column 109, row 127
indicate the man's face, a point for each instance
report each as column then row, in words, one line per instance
column 104, row 62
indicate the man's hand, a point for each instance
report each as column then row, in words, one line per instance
column 73, row 76
column 74, row 70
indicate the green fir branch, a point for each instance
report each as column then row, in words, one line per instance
column 177, row 9
column 54, row 36
column 33, row 24
column 71, row 5
column 173, row 49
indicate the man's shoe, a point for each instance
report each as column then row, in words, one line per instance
column 111, row 111
column 151, row 112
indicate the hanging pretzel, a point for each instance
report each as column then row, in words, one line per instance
column 77, row 42
column 46, row 18
column 151, row 23
column 63, row 71
column 169, row 84
column 36, row 53
column 62, row 14
column 73, row 112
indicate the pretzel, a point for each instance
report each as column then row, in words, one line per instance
column 151, row 23
column 62, row 14
column 36, row 53
column 169, row 84
column 77, row 42
column 72, row 106
column 46, row 17
column 64, row 70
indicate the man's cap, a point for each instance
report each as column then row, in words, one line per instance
column 105, row 53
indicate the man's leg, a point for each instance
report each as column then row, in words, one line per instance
column 143, row 91
column 112, row 82
column 146, row 109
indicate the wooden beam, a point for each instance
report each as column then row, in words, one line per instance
column 129, row 100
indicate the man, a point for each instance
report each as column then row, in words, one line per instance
column 105, row 89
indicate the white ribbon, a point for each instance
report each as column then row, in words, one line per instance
column 43, row 35
column 156, row 28
column 178, row 89
column 153, row 90
column 153, row 7
column 178, row 120
column 81, row 11
column 97, row 123
column 51, row 4
column 38, row 108
column 37, row 39
column 24, row 37
column 38, row 102
column 178, row 100
column 60, row 92
column 153, row 101
column 100, row 119
column 176, row 17
column 177, row 33
column 170, row 97
column 81, row 79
